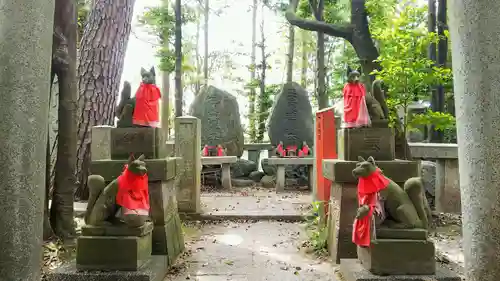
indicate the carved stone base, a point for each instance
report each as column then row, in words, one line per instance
column 398, row 257
column 366, row 142
column 352, row 270
column 106, row 253
column 155, row 270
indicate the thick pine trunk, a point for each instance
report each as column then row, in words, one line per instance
column 64, row 66
column 102, row 54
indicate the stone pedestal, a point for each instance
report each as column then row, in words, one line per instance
column 114, row 248
column 167, row 236
column 25, row 56
column 399, row 252
column 365, row 142
column 447, row 187
column 188, row 147
column 344, row 201
column 121, row 248
column 352, row 270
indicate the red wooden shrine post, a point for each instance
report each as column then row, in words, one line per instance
column 325, row 148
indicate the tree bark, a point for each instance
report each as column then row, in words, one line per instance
column 438, row 136
column 262, row 83
column 102, row 54
column 64, row 66
column 197, row 84
column 320, row 57
column 304, row 64
column 291, row 47
column 178, row 58
column 253, row 62
column 205, row 58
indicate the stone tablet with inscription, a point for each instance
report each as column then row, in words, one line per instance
column 291, row 119
column 366, row 142
column 220, row 118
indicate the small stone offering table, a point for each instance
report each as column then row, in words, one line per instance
column 225, row 163
column 280, row 168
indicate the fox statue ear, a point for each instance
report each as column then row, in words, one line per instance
column 361, row 159
column 349, row 70
column 131, row 158
column 143, row 71
column 153, row 70
column 141, row 158
column 371, row 160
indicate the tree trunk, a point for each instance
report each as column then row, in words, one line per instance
column 178, row 58
column 304, row 64
column 197, row 84
column 64, row 66
column 253, row 62
column 165, row 82
column 102, row 54
column 441, row 61
column 262, row 83
column 205, row 58
column 47, row 228
column 291, row 47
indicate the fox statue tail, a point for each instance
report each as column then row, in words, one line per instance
column 415, row 190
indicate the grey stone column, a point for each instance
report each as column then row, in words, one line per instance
column 475, row 33
column 25, row 57
column 188, row 148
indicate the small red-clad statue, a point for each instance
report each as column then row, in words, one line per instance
column 133, row 193
column 280, row 150
column 147, row 99
column 355, row 109
column 305, row 150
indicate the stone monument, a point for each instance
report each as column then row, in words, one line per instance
column 25, row 56
column 220, row 119
column 117, row 243
column 291, row 120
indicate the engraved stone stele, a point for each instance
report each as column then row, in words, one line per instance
column 291, row 120
column 187, row 147
column 220, row 119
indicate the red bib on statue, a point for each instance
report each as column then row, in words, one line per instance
column 368, row 188
column 355, row 110
column 146, row 110
column 133, row 191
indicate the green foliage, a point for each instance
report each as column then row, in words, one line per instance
column 441, row 121
column 160, row 21
column 316, row 229
column 265, row 102
column 403, row 39
column 83, row 13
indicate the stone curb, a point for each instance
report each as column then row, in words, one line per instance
column 210, row 217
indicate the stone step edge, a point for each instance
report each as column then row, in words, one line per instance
column 238, row 217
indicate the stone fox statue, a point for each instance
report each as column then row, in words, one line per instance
column 379, row 196
column 125, row 198
column 143, row 109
